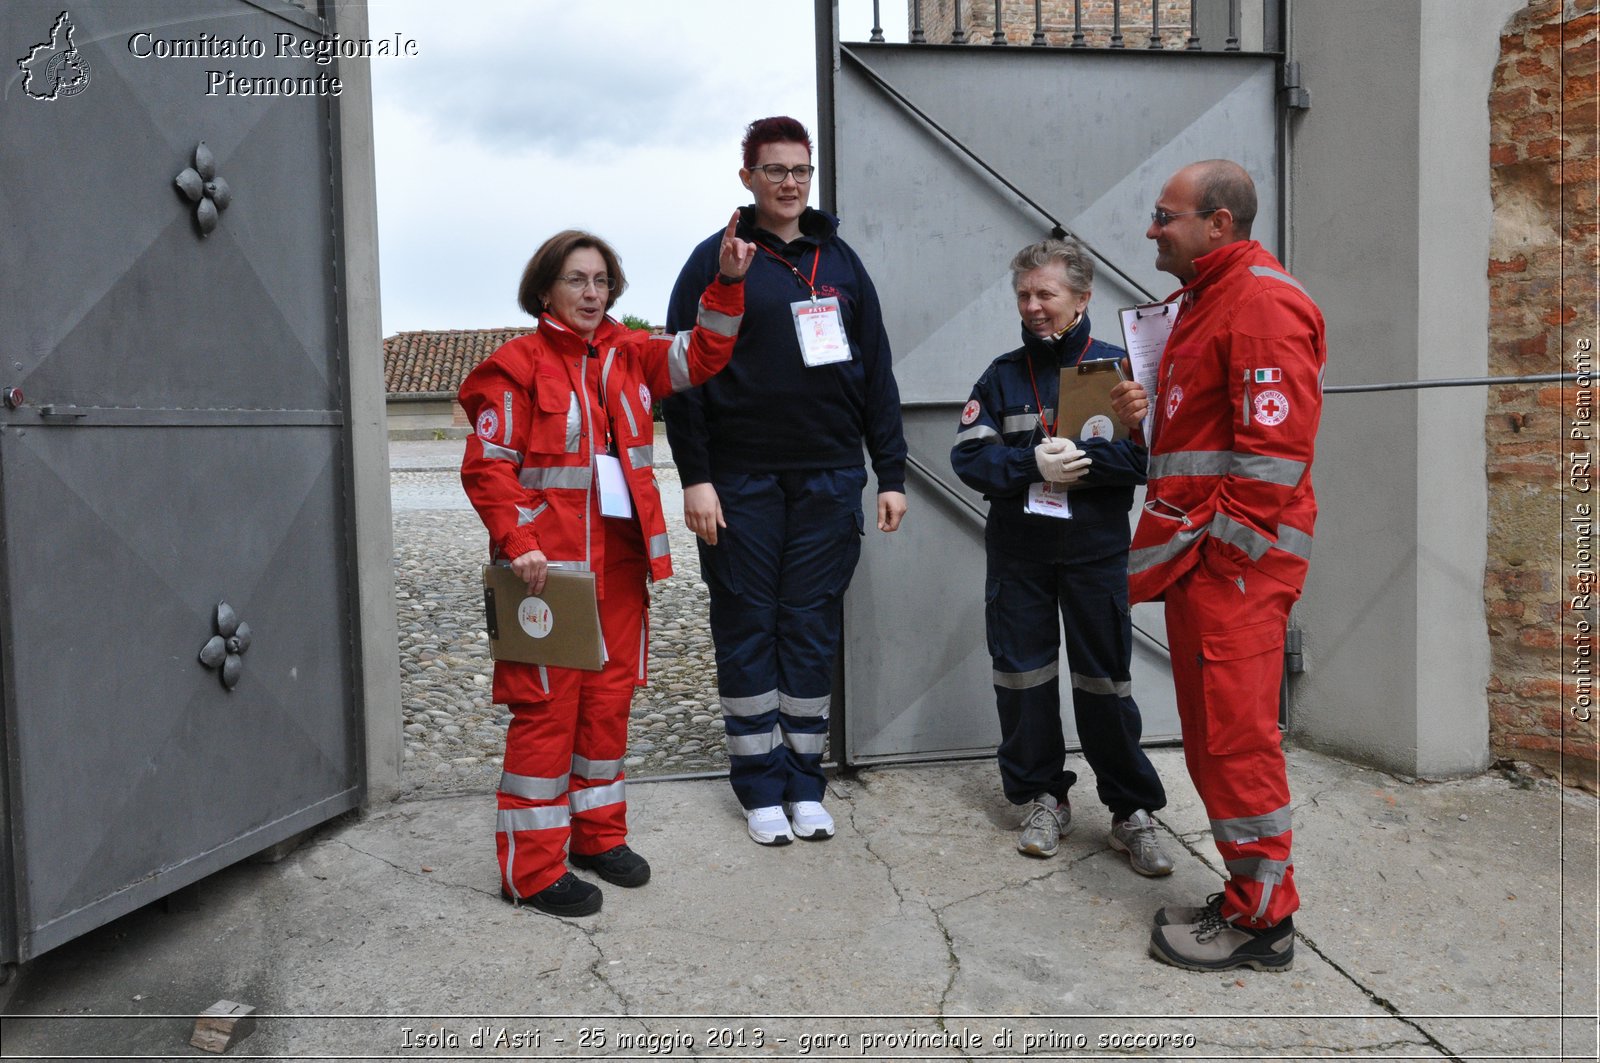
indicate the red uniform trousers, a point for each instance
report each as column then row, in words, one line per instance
column 1227, row 664
column 562, row 776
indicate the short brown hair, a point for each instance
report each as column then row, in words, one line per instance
column 545, row 266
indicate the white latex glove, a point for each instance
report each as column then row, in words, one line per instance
column 1060, row 461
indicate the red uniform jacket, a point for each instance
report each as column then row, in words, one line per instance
column 1239, row 397
column 529, row 470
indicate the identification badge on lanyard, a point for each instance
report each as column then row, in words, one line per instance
column 614, row 500
column 1048, row 500
column 816, row 324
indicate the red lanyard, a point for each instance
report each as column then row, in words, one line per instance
column 810, row 284
column 1050, row 429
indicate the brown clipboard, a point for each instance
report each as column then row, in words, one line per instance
column 1083, row 403
column 559, row 627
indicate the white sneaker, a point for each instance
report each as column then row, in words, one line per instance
column 811, row 821
column 769, row 826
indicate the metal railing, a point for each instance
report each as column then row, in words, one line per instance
column 1004, row 16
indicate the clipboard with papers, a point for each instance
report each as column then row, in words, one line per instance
column 1145, row 331
column 560, row 626
column 1083, row 401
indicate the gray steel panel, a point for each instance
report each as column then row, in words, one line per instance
column 131, row 757
column 1090, row 136
column 108, row 295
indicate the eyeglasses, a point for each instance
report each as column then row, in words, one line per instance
column 577, row 282
column 776, row 173
column 1163, row 218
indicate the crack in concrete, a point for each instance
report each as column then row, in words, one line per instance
column 1382, row 1002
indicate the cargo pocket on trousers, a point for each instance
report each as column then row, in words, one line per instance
column 1241, row 669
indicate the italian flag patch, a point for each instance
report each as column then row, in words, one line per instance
column 1268, row 376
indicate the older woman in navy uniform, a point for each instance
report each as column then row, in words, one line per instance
column 1047, row 559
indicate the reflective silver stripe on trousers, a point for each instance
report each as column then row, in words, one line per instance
column 1268, row 271
column 528, row 516
column 644, row 641
column 1294, row 541
column 1023, row 422
column 575, row 477
column 805, row 743
column 533, row 787
column 1282, row 471
column 1099, row 684
column 660, row 546
column 1259, row 868
column 808, row 708
column 593, row 797
column 1151, row 556
column 716, row 321
column 751, row 706
column 642, row 457
column 755, row 745
column 1027, row 680
column 1225, row 529
column 574, row 424
column 545, row 817
column 495, row 453
column 1251, row 828
column 595, row 770
column 977, row 431
column 678, row 363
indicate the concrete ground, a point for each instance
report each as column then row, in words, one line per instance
column 1440, row 921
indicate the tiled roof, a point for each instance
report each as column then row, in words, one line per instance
column 422, row 362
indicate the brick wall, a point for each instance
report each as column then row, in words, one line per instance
column 977, row 18
column 1542, row 270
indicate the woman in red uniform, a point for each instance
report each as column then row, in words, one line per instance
column 554, row 412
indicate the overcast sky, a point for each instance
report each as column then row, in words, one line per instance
column 519, row 118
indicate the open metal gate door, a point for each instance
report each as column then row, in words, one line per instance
column 181, row 443
column 1089, row 136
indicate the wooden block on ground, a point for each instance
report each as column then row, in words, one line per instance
column 223, row 1025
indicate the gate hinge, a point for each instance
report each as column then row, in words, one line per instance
column 1295, row 95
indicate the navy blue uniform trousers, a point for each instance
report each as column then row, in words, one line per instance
column 777, row 578
column 1022, row 600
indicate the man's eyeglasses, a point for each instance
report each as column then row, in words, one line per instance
column 1163, row 218
column 577, row 282
column 776, row 173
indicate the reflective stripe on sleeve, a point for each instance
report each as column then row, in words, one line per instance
column 593, row 797
column 1282, row 471
column 1099, row 684
column 805, row 708
column 1294, row 541
column 533, row 787
column 757, row 745
column 1285, row 472
column 977, row 431
column 1268, row 271
column 678, row 363
column 716, row 321
column 1150, row 556
column 492, row 452
column 528, row 516
column 659, row 546
column 1251, row 828
column 1227, row 530
column 545, row 817
column 1027, row 680
column 574, row 477
column 642, row 457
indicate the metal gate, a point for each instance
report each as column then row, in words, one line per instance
column 179, row 441
column 936, row 153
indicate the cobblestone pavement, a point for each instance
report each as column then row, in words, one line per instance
column 454, row 734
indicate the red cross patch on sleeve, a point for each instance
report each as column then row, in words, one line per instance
column 969, row 412
column 1272, row 408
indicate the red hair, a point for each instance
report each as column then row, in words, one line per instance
column 780, row 129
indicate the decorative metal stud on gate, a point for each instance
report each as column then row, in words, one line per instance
column 225, row 649
column 209, row 193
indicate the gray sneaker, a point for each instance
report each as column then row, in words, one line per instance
column 1137, row 837
column 1044, row 821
